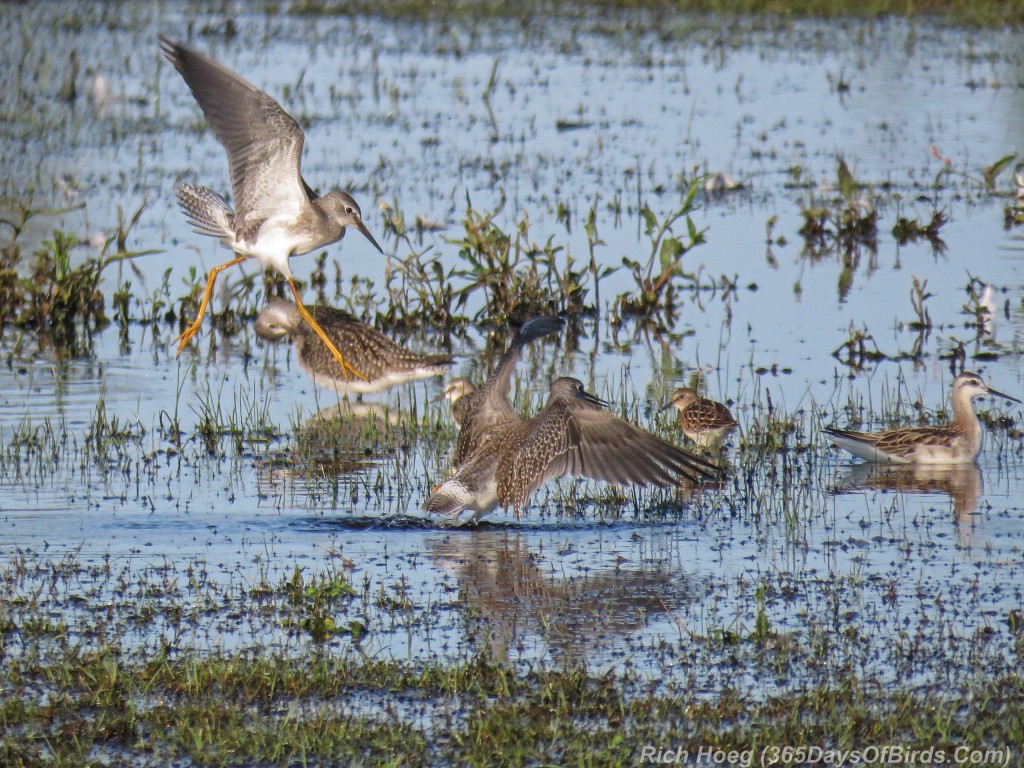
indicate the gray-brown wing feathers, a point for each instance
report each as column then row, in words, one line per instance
column 480, row 414
column 898, row 442
column 263, row 142
column 539, row 450
column 616, row 451
column 593, row 444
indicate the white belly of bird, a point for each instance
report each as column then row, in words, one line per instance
column 274, row 243
column 486, row 500
column 959, row 452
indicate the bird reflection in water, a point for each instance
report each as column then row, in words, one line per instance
column 962, row 483
column 519, row 601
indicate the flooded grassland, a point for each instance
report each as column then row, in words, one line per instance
column 819, row 219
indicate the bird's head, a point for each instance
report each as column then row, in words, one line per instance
column 456, row 389
column 343, row 208
column 568, row 388
column 681, row 398
column 972, row 386
column 279, row 318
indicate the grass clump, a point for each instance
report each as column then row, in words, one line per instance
column 518, row 277
column 655, row 277
column 48, row 293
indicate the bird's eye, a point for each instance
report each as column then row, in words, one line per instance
column 349, row 209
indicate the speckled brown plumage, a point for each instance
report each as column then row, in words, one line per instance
column 704, row 421
column 382, row 361
column 572, row 435
column 490, row 404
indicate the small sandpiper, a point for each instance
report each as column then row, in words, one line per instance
column 457, row 393
column 706, row 422
column 572, row 435
column 277, row 215
column 382, row 362
column 959, row 442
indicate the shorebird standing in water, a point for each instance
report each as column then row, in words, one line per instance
column 277, row 215
column 381, row 361
column 572, row 435
column 457, row 392
column 704, row 421
column 959, row 442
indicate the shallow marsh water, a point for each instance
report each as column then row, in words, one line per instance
column 925, row 575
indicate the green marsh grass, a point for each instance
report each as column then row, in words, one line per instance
column 74, row 696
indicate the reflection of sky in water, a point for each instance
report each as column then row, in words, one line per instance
column 408, row 124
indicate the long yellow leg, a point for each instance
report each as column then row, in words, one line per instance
column 345, row 367
column 191, row 331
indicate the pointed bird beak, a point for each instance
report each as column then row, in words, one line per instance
column 594, row 399
column 1001, row 394
column 666, row 406
column 366, row 233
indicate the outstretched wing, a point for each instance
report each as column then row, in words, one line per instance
column 263, row 142
column 595, row 444
column 613, row 450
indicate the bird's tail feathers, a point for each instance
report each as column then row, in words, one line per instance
column 207, row 212
column 450, row 498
